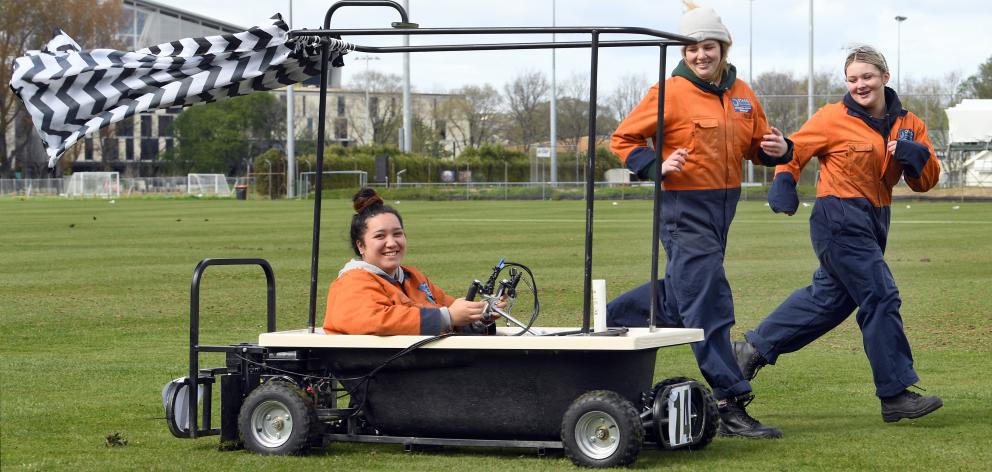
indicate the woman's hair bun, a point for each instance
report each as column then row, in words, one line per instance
column 365, row 198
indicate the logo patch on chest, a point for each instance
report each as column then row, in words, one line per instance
column 906, row 134
column 741, row 105
column 423, row 287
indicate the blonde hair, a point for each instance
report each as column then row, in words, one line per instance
column 867, row 55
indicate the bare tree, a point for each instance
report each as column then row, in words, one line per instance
column 927, row 98
column 573, row 110
column 783, row 99
column 382, row 113
column 28, row 24
column 472, row 111
column 527, row 107
column 629, row 92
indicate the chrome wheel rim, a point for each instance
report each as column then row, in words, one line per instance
column 597, row 434
column 271, row 424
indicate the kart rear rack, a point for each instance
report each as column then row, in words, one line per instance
column 206, row 377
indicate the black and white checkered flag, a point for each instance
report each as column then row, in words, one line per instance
column 70, row 92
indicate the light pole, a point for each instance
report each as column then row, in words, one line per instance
column 750, row 68
column 407, row 144
column 368, row 82
column 290, row 131
column 554, row 106
column 809, row 83
column 899, row 20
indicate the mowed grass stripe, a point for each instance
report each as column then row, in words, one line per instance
column 94, row 300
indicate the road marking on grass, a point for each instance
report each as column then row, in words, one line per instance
column 743, row 221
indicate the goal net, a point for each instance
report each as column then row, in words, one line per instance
column 207, row 184
column 93, row 184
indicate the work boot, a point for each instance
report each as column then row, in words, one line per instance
column 748, row 359
column 908, row 405
column 735, row 422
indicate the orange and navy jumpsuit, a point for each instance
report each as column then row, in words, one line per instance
column 849, row 226
column 721, row 126
column 365, row 300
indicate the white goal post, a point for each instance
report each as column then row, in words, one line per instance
column 93, row 184
column 207, row 184
column 307, row 180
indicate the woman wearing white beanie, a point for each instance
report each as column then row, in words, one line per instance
column 712, row 122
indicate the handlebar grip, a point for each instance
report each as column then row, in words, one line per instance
column 473, row 290
column 514, row 280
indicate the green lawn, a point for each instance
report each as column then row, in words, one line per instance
column 94, row 303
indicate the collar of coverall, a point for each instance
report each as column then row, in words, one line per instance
column 893, row 110
column 362, row 265
column 683, row 70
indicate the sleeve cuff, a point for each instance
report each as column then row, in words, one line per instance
column 434, row 321
column 913, row 156
column 640, row 161
column 769, row 161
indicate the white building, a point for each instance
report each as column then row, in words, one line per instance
column 969, row 155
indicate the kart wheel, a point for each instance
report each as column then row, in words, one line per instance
column 277, row 419
column 697, row 428
column 602, row 429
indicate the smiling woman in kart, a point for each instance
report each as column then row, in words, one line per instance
column 375, row 294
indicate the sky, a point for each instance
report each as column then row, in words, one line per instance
column 938, row 38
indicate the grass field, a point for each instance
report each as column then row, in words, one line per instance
column 94, row 300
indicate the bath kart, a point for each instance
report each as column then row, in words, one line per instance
column 547, row 388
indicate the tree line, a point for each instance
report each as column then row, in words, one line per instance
column 226, row 136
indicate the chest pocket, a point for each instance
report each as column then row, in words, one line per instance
column 706, row 138
column 860, row 163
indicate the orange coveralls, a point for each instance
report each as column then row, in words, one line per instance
column 361, row 301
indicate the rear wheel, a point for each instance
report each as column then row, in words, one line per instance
column 277, row 419
column 602, row 429
column 696, row 416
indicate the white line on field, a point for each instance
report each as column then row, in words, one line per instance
column 742, row 221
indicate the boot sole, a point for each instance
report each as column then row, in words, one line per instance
column 726, row 434
column 893, row 416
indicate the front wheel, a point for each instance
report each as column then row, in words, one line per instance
column 602, row 429
column 277, row 419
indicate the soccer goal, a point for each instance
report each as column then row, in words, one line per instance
column 332, row 179
column 93, row 184
column 207, row 184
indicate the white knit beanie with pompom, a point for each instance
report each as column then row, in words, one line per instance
column 702, row 23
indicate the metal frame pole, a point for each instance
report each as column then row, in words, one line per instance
column 590, row 182
column 659, row 139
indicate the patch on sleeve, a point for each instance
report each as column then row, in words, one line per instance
column 906, row 134
column 423, row 287
column 741, row 105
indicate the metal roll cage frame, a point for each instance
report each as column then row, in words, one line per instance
column 660, row 39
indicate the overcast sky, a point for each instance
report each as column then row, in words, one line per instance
column 939, row 37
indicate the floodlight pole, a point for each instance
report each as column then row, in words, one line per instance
column 554, row 105
column 809, row 82
column 899, row 20
column 407, row 144
column 290, row 132
column 750, row 69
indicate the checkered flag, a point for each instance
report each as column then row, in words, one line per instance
column 70, row 92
